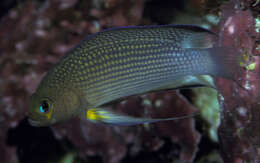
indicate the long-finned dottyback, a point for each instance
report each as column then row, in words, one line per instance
column 121, row 62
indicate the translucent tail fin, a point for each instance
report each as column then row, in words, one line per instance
column 226, row 62
column 230, row 63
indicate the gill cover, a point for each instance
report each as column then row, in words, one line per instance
column 53, row 106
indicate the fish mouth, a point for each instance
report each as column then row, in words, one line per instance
column 34, row 123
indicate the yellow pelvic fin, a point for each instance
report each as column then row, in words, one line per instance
column 96, row 114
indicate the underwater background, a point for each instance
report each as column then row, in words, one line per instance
column 35, row 34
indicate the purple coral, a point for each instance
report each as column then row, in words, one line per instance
column 238, row 134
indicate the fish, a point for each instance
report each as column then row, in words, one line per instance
column 120, row 62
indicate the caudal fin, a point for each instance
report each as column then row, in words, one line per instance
column 226, row 62
column 231, row 64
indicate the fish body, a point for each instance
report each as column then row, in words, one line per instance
column 121, row 62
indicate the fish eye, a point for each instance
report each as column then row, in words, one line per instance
column 44, row 106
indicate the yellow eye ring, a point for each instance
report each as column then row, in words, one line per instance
column 46, row 107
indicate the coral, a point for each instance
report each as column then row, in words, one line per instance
column 206, row 100
column 237, row 132
column 212, row 157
